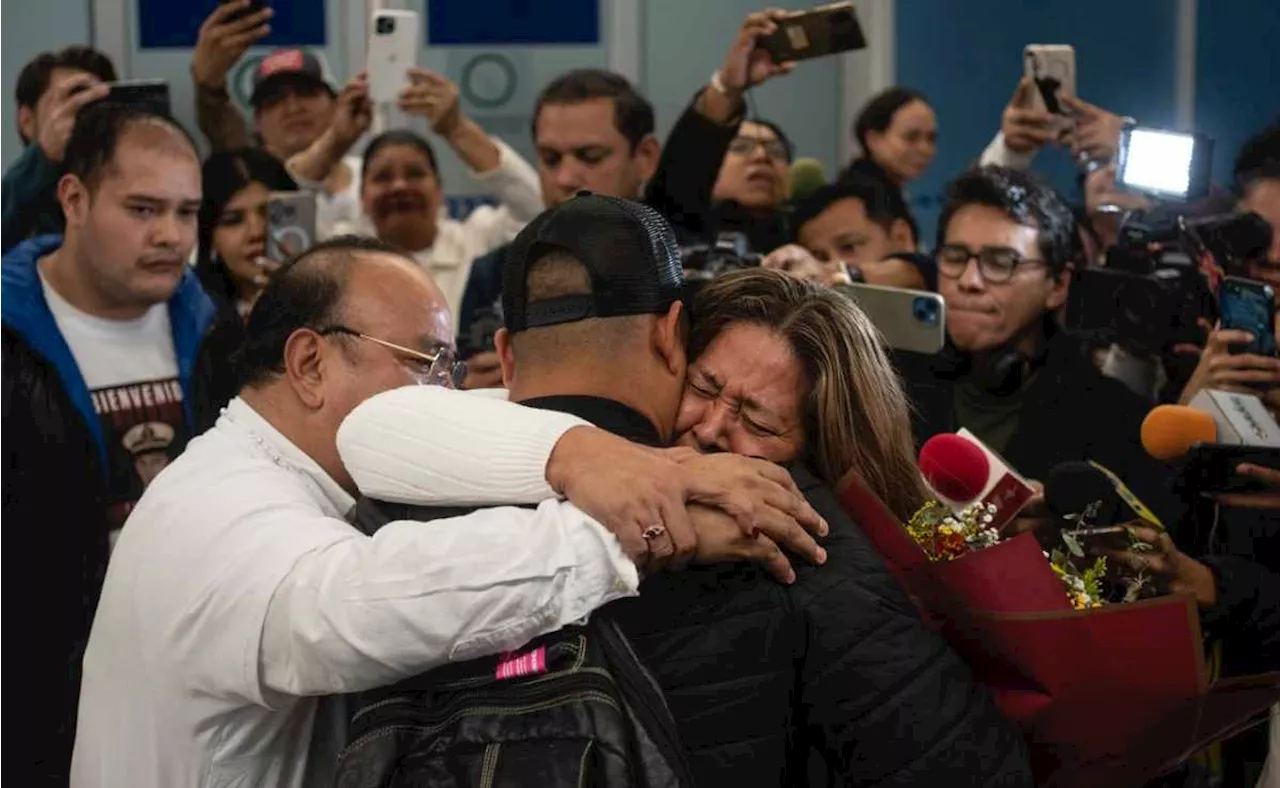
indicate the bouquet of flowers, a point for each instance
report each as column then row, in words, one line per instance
column 1088, row 681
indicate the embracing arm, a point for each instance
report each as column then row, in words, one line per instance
column 364, row 612
column 441, row 447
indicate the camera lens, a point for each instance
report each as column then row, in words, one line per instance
column 386, row 25
column 925, row 310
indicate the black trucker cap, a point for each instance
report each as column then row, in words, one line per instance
column 627, row 247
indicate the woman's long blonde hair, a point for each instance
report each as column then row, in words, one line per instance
column 855, row 415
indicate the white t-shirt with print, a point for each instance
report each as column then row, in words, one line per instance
column 131, row 370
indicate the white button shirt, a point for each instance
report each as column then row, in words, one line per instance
column 238, row 594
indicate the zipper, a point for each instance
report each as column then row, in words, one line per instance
column 506, row 709
column 652, row 712
column 393, row 710
column 576, row 646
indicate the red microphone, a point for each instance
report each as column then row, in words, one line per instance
column 954, row 467
column 961, row 470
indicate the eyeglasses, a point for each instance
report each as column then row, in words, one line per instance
column 441, row 368
column 745, row 146
column 995, row 263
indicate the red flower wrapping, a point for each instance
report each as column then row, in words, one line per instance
column 1087, row 687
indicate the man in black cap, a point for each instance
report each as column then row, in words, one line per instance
column 833, row 670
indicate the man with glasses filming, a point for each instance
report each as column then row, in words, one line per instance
column 1006, row 243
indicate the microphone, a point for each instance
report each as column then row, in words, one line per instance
column 1210, row 443
column 1169, row 431
column 955, row 468
column 1088, row 487
column 1216, row 417
column 807, row 176
column 961, row 469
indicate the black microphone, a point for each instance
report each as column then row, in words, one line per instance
column 1088, row 490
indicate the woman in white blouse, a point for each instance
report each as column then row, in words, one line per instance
column 400, row 189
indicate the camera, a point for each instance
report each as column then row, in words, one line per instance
column 730, row 252
column 385, row 26
column 1151, row 293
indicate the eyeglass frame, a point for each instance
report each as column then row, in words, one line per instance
column 450, row 378
column 760, row 142
column 971, row 254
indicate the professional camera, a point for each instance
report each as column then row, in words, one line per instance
column 730, row 252
column 1160, row 278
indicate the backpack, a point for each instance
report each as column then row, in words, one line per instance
column 572, row 708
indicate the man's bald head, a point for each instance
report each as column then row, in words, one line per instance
column 369, row 285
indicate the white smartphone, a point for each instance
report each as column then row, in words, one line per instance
column 911, row 320
column 393, row 50
column 1052, row 67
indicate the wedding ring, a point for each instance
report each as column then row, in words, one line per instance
column 653, row 531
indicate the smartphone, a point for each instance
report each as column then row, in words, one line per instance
column 911, row 320
column 1211, row 468
column 393, row 49
column 1249, row 305
column 1052, row 67
column 825, row 30
column 254, row 7
column 150, row 94
column 1170, row 165
column 291, row 224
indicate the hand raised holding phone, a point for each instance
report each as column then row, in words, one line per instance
column 1026, row 127
column 225, row 36
column 747, row 64
column 71, row 95
column 353, row 115
column 431, row 96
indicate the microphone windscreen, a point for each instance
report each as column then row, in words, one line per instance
column 1169, row 431
column 807, row 176
column 1072, row 487
column 954, row 467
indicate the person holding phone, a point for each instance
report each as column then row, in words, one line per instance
column 51, row 91
column 720, row 170
column 232, row 236
column 1257, row 185
column 1245, row 373
column 400, row 189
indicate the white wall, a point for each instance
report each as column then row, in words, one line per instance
column 30, row 27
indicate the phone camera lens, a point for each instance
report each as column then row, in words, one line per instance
column 386, row 25
column 925, row 310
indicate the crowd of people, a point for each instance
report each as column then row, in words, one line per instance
column 221, row 466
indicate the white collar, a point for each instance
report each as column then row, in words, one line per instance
column 239, row 417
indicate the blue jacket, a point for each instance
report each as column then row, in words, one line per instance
column 24, row 310
column 55, row 484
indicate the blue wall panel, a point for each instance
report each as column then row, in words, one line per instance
column 1237, row 74
column 966, row 57
column 166, row 24
column 507, row 22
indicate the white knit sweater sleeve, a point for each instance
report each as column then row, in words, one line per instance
column 436, row 446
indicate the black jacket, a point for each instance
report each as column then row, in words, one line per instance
column 55, row 491
column 1070, row 412
column 836, row 672
column 686, row 176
